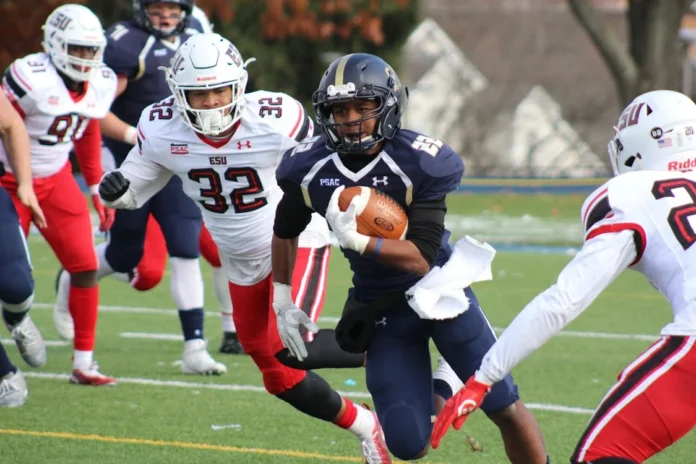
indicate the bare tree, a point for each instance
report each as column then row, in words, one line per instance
column 655, row 54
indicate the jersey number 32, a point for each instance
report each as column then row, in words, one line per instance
column 238, row 197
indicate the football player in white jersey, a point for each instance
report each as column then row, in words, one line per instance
column 225, row 146
column 642, row 220
column 61, row 94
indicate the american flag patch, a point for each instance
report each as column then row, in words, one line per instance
column 665, row 142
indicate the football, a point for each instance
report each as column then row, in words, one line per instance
column 378, row 214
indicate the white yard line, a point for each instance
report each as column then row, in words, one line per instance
column 257, row 389
column 9, row 341
column 334, row 320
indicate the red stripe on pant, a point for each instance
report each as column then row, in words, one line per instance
column 309, row 281
column 651, row 406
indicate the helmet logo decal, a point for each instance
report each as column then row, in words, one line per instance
column 61, row 21
column 630, row 116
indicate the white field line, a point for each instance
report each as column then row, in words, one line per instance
column 257, row 389
column 9, row 341
column 334, row 320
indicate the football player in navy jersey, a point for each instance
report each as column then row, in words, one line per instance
column 359, row 105
column 135, row 50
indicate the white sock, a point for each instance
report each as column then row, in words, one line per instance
column 364, row 423
column 104, row 266
column 186, row 283
column 222, row 293
column 82, row 360
column 444, row 372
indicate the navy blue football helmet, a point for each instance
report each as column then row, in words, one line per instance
column 360, row 76
column 141, row 16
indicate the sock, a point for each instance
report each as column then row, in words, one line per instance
column 191, row 323
column 83, row 304
column 104, row 266
column 6, row 365
column 82, row 359
column 222, row 293
column 13, row 318
column 442, row 388
column 357, row 419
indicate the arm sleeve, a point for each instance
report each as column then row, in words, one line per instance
column 88, row 154
column 146, row 179
column 426, row 224
column 596, row 265
column 292, row 215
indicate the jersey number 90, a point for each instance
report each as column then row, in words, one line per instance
column 238, row 197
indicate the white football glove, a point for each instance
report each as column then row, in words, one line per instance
column 290, row 318
column 344, row 224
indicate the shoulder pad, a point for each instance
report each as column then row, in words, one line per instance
column 155, row 116
column 282, row 113
column 26, row 76
column 104, row 80
column 297, row 162
column 124, row 44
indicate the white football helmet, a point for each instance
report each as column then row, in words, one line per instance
column 74, row 25
column 208, row 61
column 655, row 133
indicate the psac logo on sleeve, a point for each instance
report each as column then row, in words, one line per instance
column 179, row 148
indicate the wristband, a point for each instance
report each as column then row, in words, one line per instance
column 377, row 248
column 131, row 135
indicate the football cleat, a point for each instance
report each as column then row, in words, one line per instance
column 375, row 449
column 91, row 376
column 197, row 360
column 29, row 341
column 230, row 344
column 13, row 390
column 61, row 313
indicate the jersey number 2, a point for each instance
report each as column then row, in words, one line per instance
column 220, row 204
column 679, row 215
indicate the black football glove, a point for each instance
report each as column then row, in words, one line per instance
column 113, row 186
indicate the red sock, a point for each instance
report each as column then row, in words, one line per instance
column 349, row 415
column 83, row 304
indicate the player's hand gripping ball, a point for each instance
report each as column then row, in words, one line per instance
column 378, row 214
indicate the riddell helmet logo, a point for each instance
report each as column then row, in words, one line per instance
column 682, row 165
column 205, row 78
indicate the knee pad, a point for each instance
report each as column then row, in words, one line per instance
column 277, row 378
column 18, row 307
column 406, row 432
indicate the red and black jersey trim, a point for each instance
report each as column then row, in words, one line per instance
column 639, row 237
column 598, row 209
column 627, row 385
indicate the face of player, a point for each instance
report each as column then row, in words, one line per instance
column 209, row 99
column 164, row 16
column 84, row 53
column 357, row 119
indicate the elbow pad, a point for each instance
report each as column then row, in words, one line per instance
column 291, row 218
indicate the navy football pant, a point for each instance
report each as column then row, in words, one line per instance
column 399, row 375
column 16, row 282
column 178, row 217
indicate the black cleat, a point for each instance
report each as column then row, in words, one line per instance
column 230, row 344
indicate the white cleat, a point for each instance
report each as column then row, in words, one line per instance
column 197, row 360
column 375, row 449
column 61, row 313
column 29, row 341
column 444, row 372
column 13, row 390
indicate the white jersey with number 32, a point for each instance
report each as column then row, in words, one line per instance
column 232, row 181
column 52, row 116
column 660, row 209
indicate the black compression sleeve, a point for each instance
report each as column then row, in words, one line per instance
column 291, row 218
column 426, row 224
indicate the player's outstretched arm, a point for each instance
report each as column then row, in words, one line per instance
column 15, row 139
column 135, row 182
column 596, row 265
column 113, row 127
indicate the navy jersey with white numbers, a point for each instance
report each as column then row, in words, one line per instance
column 135, row 54
column 411, row 167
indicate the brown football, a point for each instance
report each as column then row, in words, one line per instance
column 379, row 215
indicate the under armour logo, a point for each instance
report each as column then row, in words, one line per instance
column 376, row 180
column 382, row 321
column 247, row 144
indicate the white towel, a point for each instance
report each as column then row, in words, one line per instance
column 439, row 295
